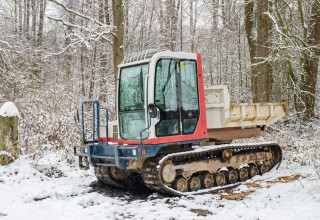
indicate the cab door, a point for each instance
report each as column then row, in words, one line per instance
column 189, row 99
column 176, row 96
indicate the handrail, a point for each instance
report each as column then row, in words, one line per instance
column 147, row 128
column 107, row 121
column 94, row 103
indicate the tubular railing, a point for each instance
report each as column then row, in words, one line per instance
column 95, row 121
column 95, row 111
column 107, row 120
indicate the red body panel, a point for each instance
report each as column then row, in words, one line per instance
column 104, row 139
column 201, row 130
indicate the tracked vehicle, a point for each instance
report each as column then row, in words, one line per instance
column 173, row 131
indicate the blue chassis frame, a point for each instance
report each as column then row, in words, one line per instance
column 109, row 154
column 120, row 155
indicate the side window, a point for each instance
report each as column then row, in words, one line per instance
column 166, row 98
column 165, row 91
column 190, row 100
column 189, row 85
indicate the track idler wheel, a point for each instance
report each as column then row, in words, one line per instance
column 208, row 181
column 194, row 183
column 167, row 173
column 253, row 171
column 220, row 179
column 232, row 176
column 181, row 184
column 243, row 174
column 263, row 168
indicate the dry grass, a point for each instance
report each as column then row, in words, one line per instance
column 285, row 179
column 255, row 185
column 237, row 196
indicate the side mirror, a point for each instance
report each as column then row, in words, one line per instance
column 152, row 108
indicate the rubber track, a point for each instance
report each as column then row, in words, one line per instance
column 152, row 166
column 103, row 175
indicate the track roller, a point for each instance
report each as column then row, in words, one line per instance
column 263, row 168
column 181, row 184
column 194, row 183
column 232, row 176
column 253, row 171
column 243, row 174
column 220, row 179
column 207, row 181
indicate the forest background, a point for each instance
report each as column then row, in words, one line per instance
column 54, row 54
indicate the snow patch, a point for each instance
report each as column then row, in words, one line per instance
column 37, row 196
column 9, row 109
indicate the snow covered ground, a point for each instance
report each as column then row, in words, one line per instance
column 50, row 188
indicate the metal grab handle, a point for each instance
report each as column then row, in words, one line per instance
column 147, row 128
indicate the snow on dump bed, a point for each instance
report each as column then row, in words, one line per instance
column 50, row 188
column 9, row 109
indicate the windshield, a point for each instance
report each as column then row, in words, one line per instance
column 132, row 88
column 131, row 102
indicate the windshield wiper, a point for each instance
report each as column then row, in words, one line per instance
column 141, row 85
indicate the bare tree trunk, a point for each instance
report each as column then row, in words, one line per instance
column 107, row 12
column 93, row 68
column 27, row 19
column 150, row 24
column 24, row 16
column 141, row 34
column 214, row 5
column 181, row 27
column 16, row 25
column 82, row 59
column 117, row 46
column 162, row 27
column 167, row 26
column 239, row 53
column 34, row 19
column 20, row 16
column 126, row 24
column 191, row 25
column 103, row 13
column 174, row 24
column 261, row 93
column 311, row 62
column 82, row 73
column 258, row 49
column 41, row 21
column 68, row 60
column 249, row 24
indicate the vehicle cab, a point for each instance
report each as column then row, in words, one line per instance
column 167, row 84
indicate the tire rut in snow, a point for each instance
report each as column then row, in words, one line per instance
column 137, row 192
